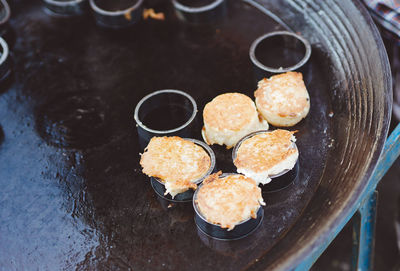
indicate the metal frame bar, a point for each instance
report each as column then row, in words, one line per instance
column 364, row 234
column 364, row 227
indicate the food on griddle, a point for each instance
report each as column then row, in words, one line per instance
column 266, row 154
column 177, row 162
column 228, row 118
column 228, row 201
column 283, row 99
column 150, row 13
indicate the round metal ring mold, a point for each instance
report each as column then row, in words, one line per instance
column 5, row 66
column 186, row 196
column 119, row 18
column 5, row 15
column 66, row 8
column 199, row 14
column 282, row 180
column 289, row 39
column 215, row 231
column 150, row 102
column 6, row 30
column 230, row 247
column 278, row 181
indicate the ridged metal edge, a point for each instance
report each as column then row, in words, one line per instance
column 333, row 18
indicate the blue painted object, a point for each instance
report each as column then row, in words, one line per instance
column 364, row 225
column 364, row 234
column 390, row 153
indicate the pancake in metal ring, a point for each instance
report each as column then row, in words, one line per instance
column 230, row 200
column 283, row 99
column 229, row 117
column 179, row 163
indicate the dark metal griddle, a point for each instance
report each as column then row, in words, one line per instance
column 72, row 195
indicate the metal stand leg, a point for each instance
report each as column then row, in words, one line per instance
column 364, row 234
column 364, row 225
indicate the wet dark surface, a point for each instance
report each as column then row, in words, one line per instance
column 73, row 196
column 75, row 121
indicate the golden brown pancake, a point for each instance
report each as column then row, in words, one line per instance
column 283, row 99
column 176, row 161
column 264, row 155
column 230, row 200
column 229, row 117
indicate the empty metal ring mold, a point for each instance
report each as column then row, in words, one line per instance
column 5, row 67
column 66, row 8
column 199, row 14
column 5, row 12
column 6, row 30
column 117, row 18
column 293, row 47
column 159, row 99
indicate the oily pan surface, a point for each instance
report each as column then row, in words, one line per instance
column 73, row 193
